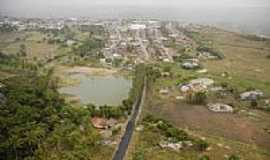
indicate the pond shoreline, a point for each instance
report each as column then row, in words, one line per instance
column 98, row 86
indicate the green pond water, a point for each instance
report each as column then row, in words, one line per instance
column 99, row 90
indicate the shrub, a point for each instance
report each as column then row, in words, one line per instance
column 201, row 145
column 139, row 155
column 163, row 126
column 167, row 69
column 197, row 97
column 149, row 118
column 254, row 103
column 204, row 157
column 212, row 51
column 234, row 157
column 224, row 84
column 176, row 133
column 116, row 130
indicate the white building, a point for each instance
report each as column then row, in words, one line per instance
column 137, row 27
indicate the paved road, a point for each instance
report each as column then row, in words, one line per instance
column 143, row 46
column 123, row 145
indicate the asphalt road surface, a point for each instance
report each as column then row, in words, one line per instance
column 123, row 145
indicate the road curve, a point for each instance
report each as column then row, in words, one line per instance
column 123, row 145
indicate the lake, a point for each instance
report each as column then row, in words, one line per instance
column 99, row 90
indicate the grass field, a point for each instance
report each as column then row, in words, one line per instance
column 240, row 133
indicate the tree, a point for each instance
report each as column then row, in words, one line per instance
column 90, row 47
column 36, row 123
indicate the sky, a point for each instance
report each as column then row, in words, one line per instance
column 6, row 4
column 82, row 7
column 251, row 15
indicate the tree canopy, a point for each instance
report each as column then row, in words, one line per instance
column 36, row 123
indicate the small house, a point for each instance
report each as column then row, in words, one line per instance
column 99, row 123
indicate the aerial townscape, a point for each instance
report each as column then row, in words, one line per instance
column 133, row 89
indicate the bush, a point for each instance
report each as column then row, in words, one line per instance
column 182, row 57
column 224, row 84
column 254, row 103
column 149, row 118
column 197, row 97
column 167, row 69
column 116, row 130
column 213, row 52
column 139, row 155
column 176, row 133
column 167, row 129
column 163, row 126
column 106, row 111
column 204, row 157
column 234, row 157
column 202, row 145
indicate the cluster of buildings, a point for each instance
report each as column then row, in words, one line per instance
column 143, row 40
column 130, row 40
column 47, row 23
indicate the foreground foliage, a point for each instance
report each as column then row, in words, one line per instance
column 35, row 122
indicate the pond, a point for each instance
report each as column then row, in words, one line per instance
column 99, row 90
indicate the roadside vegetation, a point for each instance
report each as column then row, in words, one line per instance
column 157, row 131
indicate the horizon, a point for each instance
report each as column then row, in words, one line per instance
column 248, row 15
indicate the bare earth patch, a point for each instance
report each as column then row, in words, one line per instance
column 85, row 70
column 231, row 126
column 92, row 71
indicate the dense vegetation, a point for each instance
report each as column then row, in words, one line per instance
column 17, row 63
column 212, row 51
column 7, row 59
column 90, row 47
column 35, row 122
column 92, row 29
column 173, row 133
column 7, row 28
column 107, row 111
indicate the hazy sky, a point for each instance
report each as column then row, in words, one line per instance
column 5, row 4
column 96, row 8
column 251, row 14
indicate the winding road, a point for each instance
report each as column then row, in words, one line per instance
column 123, row 145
